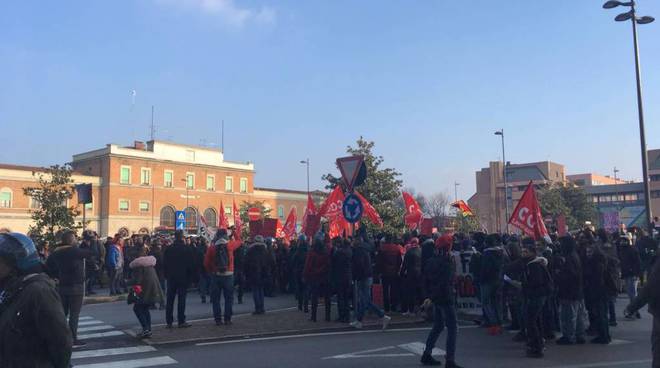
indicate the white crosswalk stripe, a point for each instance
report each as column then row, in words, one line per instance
column 85, row 318
column 95, row 328
column 88, row 323
column 100, row 335
column 134, row 363
column 110, row 352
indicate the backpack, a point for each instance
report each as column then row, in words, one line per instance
column 222, row 257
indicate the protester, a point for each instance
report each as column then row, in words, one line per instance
column 631, row 269
column 219, row 263
column 179, row 268
column 67, row 264
column 257, row 271
column 439, row 276
column 362, row 271
column 114, row 262
column 93, row 264
column 597, row 293
column 570, row 292
column 204, row 283
column 342, row 277
column 240, row 255
column 613, row 269
column 650, row 294
column 144, row 275
column 316, row 274
column 492, row 263
column 299, row 259
column 388, row 264
column 33, row 327
column 411, row 276
column 536, row 286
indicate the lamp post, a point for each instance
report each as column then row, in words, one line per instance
column 634, row 19
column 506, row 185
column 456, row 184
column 306, row 162
column 187, row 201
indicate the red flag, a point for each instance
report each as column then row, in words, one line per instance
column 238, row 224
column 222, row 218
column 289, row 229
column 331, row 210
column 309, row 223
column 413, row 215
column 527, row 215
column 463, row 207
column 370, row 211
column 279, row 230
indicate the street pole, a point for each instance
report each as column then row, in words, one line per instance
column 308, row 176
column 456, row 184
column 506, row 184
column 642, row 135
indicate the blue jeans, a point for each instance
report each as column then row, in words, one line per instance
column 178, row 290
column 143, row 315
column 573, row 319
column 364, row 299
column 219, row 285
column 600, row 312
column 491, row 304
column 631, row 287
column 258, row 296
column 204, row 284
column 443, row 315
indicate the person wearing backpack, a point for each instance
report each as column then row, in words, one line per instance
column 219, row 263
column 537, row 286
column 597, row 293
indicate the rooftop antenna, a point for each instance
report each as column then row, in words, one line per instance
column 153, row 127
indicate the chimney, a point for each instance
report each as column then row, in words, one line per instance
column 139, row 145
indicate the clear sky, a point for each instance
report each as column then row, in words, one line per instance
column 429, row 81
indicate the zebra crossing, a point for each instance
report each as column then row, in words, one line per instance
column 108, row 347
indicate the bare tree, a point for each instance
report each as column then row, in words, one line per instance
column 437, row 205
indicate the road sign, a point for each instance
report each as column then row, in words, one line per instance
column 254, row 213
column 180, row 223
column 350, row 168
column 352, row 208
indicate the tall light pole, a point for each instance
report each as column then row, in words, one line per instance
column 456, row 184
column 306, row 162
column 506, row 184
column 616, row 186
column 634, row 19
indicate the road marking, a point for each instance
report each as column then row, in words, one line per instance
column 136, row 363
column 234, row 317
column 620, row 342
column 109, row 352
column 418, row 348
column 605, row 364
column 95, row 328
column 87, row 323
column 100, row 334
column 84, row 318
column 369, row 354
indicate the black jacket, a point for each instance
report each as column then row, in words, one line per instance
column 298, row 262
column 240, row 254
column 178, row 263
column 362, row 268
column 341, row 266
column 428, row 251
column 569, row 277
column 595, row 277
column 66, row 264
column 492, row 262
column 412, row 263
column 257, row 265
column 536, row 280
column 439, row 276
column 33, row 329
column 650, row 293
column 631, row 263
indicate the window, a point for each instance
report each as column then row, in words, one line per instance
column 145, row 176
column 280, row 212
column 167, row 217
column 124, row 205
column 210, row 217
column 244, row 185
column 655, row 194
column 191, row 218
column 34, row 203
column 210, row 182
column 229, row 214
column 5, row 198
column 655, row 177
column 125, row 175
column 229, row 184
column 144, row 206
column 168, row 178
column 190, row 180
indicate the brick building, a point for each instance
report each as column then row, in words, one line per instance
column 138, row 188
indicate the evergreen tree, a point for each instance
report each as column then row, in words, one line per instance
column 52, row 214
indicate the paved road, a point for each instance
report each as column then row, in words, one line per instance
column 397, row 348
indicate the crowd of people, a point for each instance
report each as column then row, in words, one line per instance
column 537, row 288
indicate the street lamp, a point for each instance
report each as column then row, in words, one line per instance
column 631, row 15
column 306, row 162
column 456, row 184
column 506, row 186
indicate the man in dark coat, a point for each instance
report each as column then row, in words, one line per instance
column 388, row 264
column 67, row 264
column 570, row 292
column 298, row 265
column 536, row 286
column 631, row 268
column 439, row 287
column 342, row 277
column 257, row 268
column 492, row 263
column 363, row 275
column 650, row 294
column 178, row 265
column 597, row 293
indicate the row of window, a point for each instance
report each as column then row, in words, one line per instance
column 125, row 205
column 631, row 197
column 7, row 199
column 168, row 180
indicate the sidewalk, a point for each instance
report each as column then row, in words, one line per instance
column 284, row 322
column 102, row 296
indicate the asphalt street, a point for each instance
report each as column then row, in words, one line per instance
column 114, row 347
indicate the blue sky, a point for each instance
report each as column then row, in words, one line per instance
column 429, row 81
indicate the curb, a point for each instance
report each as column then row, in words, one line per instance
column 238, row 337
column 103, row 299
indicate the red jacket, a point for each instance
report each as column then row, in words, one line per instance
column 389, row 259
column 209, row 258
column 317, row 266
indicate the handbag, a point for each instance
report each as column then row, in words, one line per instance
column 134, row 295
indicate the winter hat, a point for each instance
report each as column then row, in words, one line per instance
column 444, row 242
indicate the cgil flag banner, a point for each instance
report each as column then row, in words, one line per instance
column 331, row 209
column 413, row 216
column 527, row 215
column 289, row 229
column 238, row 224
column 311, row 220
column 223, row 223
